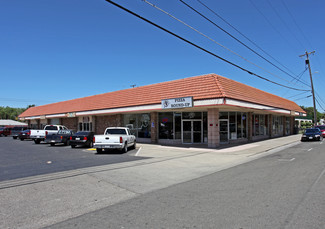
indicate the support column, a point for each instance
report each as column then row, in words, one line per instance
column 213, row 128
column 284, row 122
column 250, row 126
column 292, row 125
column 270, row 126
column 154, row 127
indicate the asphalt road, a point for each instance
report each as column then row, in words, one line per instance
column 282, row 190
column 25, row 158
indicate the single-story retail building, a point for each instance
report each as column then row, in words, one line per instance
column 208, row 109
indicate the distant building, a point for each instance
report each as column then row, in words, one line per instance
column 208, row 109
column 8, row 123
column 299, row 120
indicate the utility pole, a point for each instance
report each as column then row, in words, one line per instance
column 311, row 81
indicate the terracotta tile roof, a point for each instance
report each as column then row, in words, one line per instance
column 200, row 87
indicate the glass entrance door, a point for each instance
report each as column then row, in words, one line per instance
column 197, row 131
column 187, row 131
column 223, row 124
column 192, row 131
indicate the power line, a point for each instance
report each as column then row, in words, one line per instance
column 303, row 98
column 300, row 75
column 320, row 97
column 214, row 41
column 254, row 43
column 199, row 47
column 298, row 94
column 274, row 28
column 297, row 25
column 235, row 38
column 285, row 24
column 319, row 104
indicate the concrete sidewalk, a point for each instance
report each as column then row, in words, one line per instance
column 39, row 201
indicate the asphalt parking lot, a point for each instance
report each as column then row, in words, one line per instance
column 21, row 159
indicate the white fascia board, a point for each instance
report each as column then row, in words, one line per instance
column 32, row 117
column 234, row 102
column 209, row 102
column 55, row 116
column 120, row 110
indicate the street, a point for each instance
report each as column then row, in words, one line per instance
column 277, row 183
column 283, row 190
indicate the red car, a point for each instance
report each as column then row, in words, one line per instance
column 322, row 129
column 5, row 131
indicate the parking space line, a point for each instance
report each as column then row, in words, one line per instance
column 138, row 151
column 310, row 149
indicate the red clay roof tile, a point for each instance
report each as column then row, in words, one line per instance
column 200, row 87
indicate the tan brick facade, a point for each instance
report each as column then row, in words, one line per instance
column 213, row 128
column 70, row 123
column 102, row 122
column 154, row 127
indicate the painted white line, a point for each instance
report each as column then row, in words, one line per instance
column 138, row 151
column 310, row 149
column 286, row 159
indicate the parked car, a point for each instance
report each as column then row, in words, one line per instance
column 1, row 130
column 5, row 131
column 115, row 138
column 312, row 134
column 39, row 135
column 16, row 130
column 62, row 136
column 83, row 138
column 25, row 134
column 322, row 129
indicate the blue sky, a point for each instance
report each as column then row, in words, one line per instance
column 59, row 50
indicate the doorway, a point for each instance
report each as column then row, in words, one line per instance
column 224, row 136
column 192, row 131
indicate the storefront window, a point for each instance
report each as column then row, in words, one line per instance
column 192, row 115
column 166, row 125
column 85, row 124
column 178, row 125
column 277, row 125
column 232, row 125
column 144, row 127
column 205, row 127
column 170, row 125
column 241, row 125
column 139, row 124
column 260, row 125
column 223, row 115
column 237, row 124
column 287, row 125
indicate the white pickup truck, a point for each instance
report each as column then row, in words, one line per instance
column 114, row 138
column 40, row 135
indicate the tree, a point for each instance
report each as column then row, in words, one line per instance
column 12, row 113
column 310, row 113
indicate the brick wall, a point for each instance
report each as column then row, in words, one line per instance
column 102, row 122
column 70, row 123
column 154, row 127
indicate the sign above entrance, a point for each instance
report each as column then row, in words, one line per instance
column 182, row 102
column 71, row 115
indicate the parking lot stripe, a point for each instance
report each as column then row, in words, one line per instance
column 138, row 151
